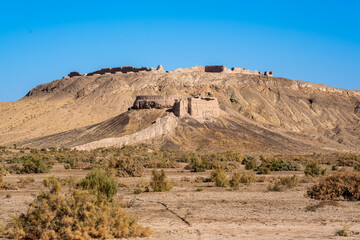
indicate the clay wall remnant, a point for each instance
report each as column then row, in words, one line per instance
column 270, row 74
column 197, row 107
column 74, row 74
column 155, row 101
column 118, row 69
column 215, row 68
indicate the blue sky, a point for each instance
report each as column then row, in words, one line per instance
column 315, row 41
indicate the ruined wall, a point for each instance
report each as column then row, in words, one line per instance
column 204, row 108
column 74, row 74
column 199, row 108
column 215, row 68
column 155, row 101
column 181, row 108
column 118, row 69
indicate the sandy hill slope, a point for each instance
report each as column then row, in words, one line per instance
column 260, row 113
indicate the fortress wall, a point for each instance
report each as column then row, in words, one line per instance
column 155, row 101
column 126, row 69
column 215, row 68
column 181, row 108
column 204, row 107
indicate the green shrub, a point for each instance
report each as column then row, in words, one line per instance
column 197, row 164
column 357, row 167
column 137, row 191
column 220, row 178
column 35, row 164
column 74, row 215
column 159, row 181
column 101, row 183
column 339, row 186
column 313, row 169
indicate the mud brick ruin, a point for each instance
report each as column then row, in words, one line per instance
column 160, row 69
column 197, row 107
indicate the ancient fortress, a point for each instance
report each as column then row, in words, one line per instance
column 196, row 107
column 160, row 69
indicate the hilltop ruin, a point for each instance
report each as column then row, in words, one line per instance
column 196, row 107
column 160, row 69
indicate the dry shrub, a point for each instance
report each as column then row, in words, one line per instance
column 339, row 186
column 75, row 214
column 127, row 167
column 248, row 178
column 235, row 181
column 290, row 181
column 220, row 178
column 159, row 181
column 1, row 180
column 280, row 184
column 23, row 182
column 313, row 169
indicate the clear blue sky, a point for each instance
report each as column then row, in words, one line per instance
column 316, row 41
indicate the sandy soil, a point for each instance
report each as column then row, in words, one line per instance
column 252, row 212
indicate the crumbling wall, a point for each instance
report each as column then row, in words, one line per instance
column 270, row 74
column 215, row 68
column 118, row 69
column 181, row 108
column 204, row 108
column 155, row 101
column 74, row 74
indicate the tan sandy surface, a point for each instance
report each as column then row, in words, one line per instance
column 252, row 212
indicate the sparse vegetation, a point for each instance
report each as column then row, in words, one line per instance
column 35, row 164
column 235, row 181
column 313, row 169
column 220, row 178
column 100, row 182
column 127, row 167
column 281, row 183
column 248, row 178
column 75, row 214
column 159, row 181
column 339, row 186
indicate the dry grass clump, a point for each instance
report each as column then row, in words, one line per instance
column 23, row 182
column 73, row 214
column 235, row 182
column 248, row 178
column 313, row 169
column 159, row 181
column 127, row 167
column 280, row 184
column 340, row 186
column 220, row 178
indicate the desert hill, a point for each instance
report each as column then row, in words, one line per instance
column 259, row 113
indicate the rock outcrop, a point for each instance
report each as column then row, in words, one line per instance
column 161, row 127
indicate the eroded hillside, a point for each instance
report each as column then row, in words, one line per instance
column 258, row 111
